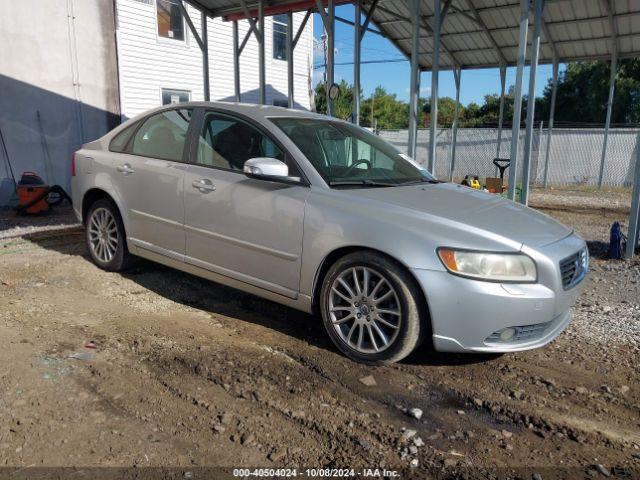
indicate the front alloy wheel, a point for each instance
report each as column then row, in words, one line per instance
column 370, row 307
column 365, row 310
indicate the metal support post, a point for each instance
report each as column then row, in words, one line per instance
column 261, row 54
column 531, row 102
column 328, row 21
column 457, row 76
column 503, row 82
column 414, row 88
column 330, row 54
column 236, row 62
column 290, row 58
column 517, row 101
column 258, row 32
column 359, row 31
column 205, row 56
column 357, row 44
column 634, row 216
column 554, row 91
column 435, row 68
column 202, row 41
column 607, row 125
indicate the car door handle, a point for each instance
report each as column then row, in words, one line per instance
column 204, row 185
column 125, row 169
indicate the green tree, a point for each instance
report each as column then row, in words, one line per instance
column 471, row 115
column 446, row 111
column 583, row 90
column 389, row 112
column 343, row 105
column 582, row 98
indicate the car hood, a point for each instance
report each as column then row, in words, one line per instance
column 472, row 208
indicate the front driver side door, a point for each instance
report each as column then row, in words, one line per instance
column 244, row 228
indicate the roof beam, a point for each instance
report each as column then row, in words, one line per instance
column 457, row 11
column 445, row 10
column 612, row 25
column 510, row 6
column 252, row 23
column 235, row 12
column 191, row 26
column 483, row 26
column 425, row 25
column 561, row 42
column 557, row 23
column 367, row 19
column 301, row 28
column 567, row 59
column 549, row 39
column 546, row 25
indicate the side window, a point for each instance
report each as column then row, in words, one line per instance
column 227, row 142
column 280, row 25
column 170, row 96
column 163, row 135
column 170, row 20
column 119, row 142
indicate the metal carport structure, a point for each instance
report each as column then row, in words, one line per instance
column 458, row 35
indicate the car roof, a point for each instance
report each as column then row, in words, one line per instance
column 253, row 111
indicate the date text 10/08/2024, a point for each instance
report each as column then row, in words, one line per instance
column 315, row 473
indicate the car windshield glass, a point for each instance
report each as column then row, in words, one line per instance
column 350, row 156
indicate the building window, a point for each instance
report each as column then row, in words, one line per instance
column 280, row 24
column 170, row 20
column 170, row 95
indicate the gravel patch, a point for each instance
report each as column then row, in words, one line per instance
column 58, row 219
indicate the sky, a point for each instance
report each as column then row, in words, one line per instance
column 395, row 76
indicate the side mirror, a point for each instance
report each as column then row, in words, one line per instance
column 268, row 169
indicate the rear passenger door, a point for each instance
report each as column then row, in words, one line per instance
column 150, row 175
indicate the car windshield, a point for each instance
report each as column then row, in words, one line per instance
column 350, row 156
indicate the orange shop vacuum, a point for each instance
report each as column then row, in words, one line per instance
column 34, row 196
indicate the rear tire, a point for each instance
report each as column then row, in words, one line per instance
column 105, row 236
column 370, row 307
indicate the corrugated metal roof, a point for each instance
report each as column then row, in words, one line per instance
column 575, row 29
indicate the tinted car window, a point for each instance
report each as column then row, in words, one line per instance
column 163, row 135
column 120, row 141
column 227, row 142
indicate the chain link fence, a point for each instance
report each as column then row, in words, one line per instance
column 575, row 154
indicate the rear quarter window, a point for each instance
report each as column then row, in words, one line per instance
column 120, row 142
column 162, row 135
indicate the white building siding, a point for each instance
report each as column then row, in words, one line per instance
column 148, row 63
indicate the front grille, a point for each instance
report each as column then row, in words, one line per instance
column 574, row 268
column 523, row 333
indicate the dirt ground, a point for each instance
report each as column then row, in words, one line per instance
column 187, row 374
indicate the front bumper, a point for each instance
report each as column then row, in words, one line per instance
column 468, row 315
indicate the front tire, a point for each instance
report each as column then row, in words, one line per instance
column 370, row 308
column 105, row 236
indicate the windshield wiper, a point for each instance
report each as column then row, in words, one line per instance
column 364, row 183
column 422, row 180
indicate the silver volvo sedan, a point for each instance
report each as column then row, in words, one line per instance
column 323, row 216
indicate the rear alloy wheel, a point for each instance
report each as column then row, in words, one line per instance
column 369, row 308
column 105, row 236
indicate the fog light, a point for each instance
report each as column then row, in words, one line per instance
column 507, row 334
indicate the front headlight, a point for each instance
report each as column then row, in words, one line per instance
column 494, row 267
